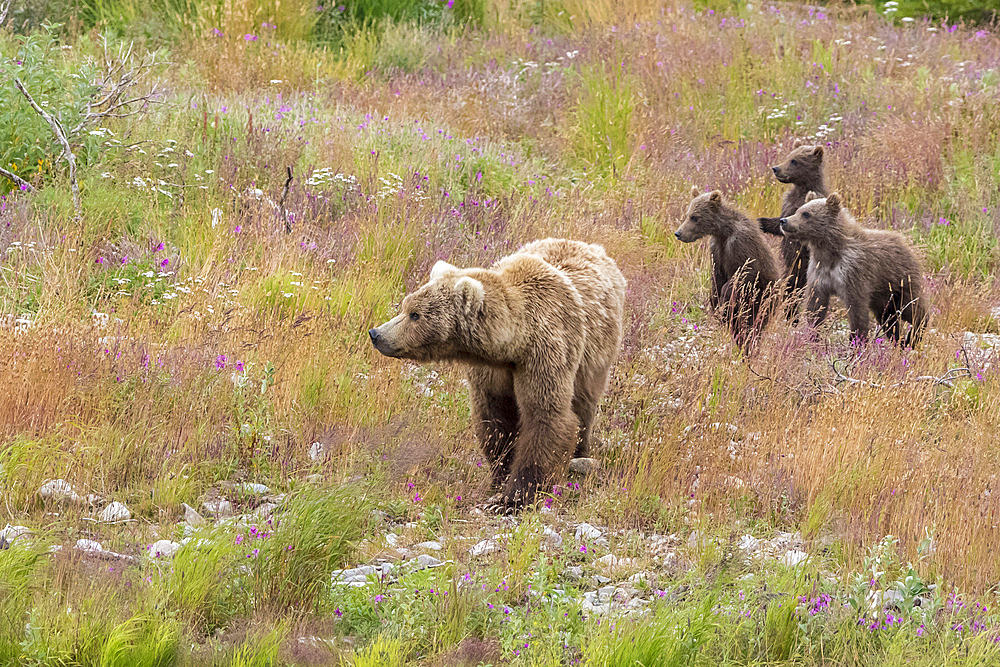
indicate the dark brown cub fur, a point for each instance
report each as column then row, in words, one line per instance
column 869, row 269
column 744, row 273
column 803, row 169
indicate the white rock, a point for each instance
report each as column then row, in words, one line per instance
column 114, row 513
column 612, row 562
column 551, row 537
column 11, row 533
column 391, row 539
column 317, row 451
column 693, row 538
column 429, row 546
column 584, row 466
column 982, row 341
column 90, row 546
column 574, row 572
column 749, row 543
column 426, row 560
column 254, row 489
column 585, row 531
column 314, row 478
column 793, row 558
column 163, row 549
column 191, row 516
column 58, row 490
column 483, row 548
column 218, row 507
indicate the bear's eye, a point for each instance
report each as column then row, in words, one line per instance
column 694, row 218
column 806, row 215
column 414, row 316
column 795, row 163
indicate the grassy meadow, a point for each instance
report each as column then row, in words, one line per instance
column 168, row 344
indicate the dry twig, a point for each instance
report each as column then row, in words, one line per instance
column 4, row 8
column 284, row 195
column 60, row 133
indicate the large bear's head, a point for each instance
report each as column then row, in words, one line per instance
column 804, row 165
column 432, row 319
column 815, row 220
column 703, row 218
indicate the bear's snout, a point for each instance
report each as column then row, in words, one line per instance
column 374, row 334
column 677, row 235
column 775, row 170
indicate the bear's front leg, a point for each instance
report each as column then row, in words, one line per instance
column 495, row 416
column 547, row 437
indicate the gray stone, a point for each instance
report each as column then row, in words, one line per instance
column 58, row 490
column 551, row 537
column 317, row 451
column 114, row 513
column 191, row 516
column 164, row 549
column 584, row 467
column 11, row 533
column 314, row 478
column 574, row 573
column 585, row 531
column 92, row 546
column 254, row 489
column 428, row 546
column 426, row 560
column 483, row 548
column 793, row 558
column 749, row 543
column 219, row 507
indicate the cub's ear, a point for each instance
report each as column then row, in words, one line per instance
column 796, row 144
column 471, row 294
column 833, row 202
column 812, row 195
column 441, row 267
column 818, row 152
column 695, row 191
column 715, row 198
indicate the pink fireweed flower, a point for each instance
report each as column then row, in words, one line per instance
column 159, row 247
column 165, row 262
column 125, row 259
column 100, row 260
column 220, row 361
column 250, row 38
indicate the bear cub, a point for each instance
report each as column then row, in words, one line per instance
column 540, row 331
column 744, row 273
column 869, row 269
column 803, row 169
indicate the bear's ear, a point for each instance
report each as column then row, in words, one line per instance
column 441, row 267
column 695, row 191
column 715, row 198
column 812, row 195
column 818, row 152
column 796, row 144
column 471, row 294
column 833, row 202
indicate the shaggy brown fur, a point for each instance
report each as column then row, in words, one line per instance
column 540, row 330
column 744, row 274
column 868, row 269
column 803, row 169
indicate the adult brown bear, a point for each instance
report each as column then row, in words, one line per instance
column 540, row 331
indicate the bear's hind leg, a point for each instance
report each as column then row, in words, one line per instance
column 586, row 397
column 495, row 415
column 547, row 436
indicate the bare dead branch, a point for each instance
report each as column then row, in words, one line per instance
column 284, row 195
column 17, row 180
column 60, row 133
column 4, row 8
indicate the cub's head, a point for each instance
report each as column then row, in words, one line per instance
column 426, row 328
column 803, row 164
column 814, row 218
column 703, row 216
